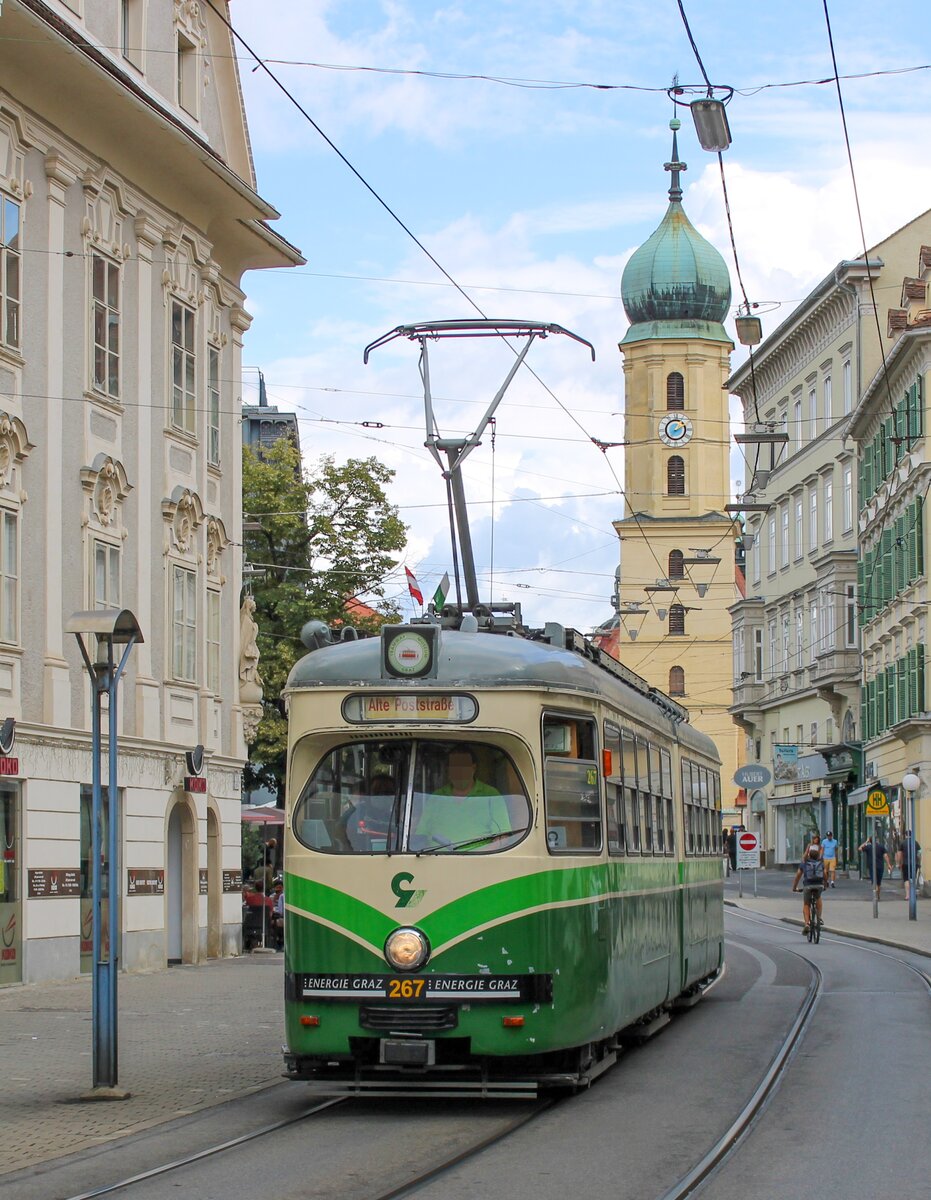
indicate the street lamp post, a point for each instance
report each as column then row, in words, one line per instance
column 910, row 785
column 110, row 627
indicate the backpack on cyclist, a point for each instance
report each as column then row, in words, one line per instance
column 813, row 872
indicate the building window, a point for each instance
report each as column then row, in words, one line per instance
column 183, row 367
column 772, row 647
column 850, row 613
column 677, row 620
column 848, row 389
column 184, row 624
column 9, row 577
column 106, row 582
column 9, row 272
column 106, row 292
column 799, row 638
column 758, row 656
column 784, row 540
column 131, row 31
column 814, row 631
column 812, row 414
column 675, row 390
column 848, row 498
column 828, row 509
column 676, row 567
column 785, row 641
column 813, row 519
column 799, row 529
column 675, row 476
column 677, row 681
column 828, row 402
column 213, row 641
column 771, row 537
column 756, row 553
column 213, row 407
column 187, row 75
column 797, row 423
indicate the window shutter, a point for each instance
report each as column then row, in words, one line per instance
column 864, row 721
column 901, row 679
column 919, row 537
column 920, row 678
column 901, row 553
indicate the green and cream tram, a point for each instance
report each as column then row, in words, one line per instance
column 502, row 858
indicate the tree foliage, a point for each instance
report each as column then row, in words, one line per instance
column 325, row 537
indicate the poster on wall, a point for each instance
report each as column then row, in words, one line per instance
column 785, row 763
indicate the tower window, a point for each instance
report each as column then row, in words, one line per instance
column 676, row 681
column 675, row 390
column 675, row 476
column 677, row 620
column 676, row 567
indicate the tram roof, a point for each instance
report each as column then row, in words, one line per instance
column 483, row 660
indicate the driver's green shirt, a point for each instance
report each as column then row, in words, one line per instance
column 450, row 819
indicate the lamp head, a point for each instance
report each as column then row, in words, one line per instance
column 910, row 781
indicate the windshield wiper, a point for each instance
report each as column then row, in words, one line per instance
column 474, row 841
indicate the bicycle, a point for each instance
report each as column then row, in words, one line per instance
column 814, row 921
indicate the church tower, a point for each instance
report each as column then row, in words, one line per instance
column 677, row 542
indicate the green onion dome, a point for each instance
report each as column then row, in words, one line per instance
column 676, row 284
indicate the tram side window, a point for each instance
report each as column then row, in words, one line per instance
column 631, row 797
column 571, row 775
column 667, row 794
column 614, row 808
column 687, row 810
column 646, row 808
column 659, row 816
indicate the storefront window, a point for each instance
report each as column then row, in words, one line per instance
column 800, row 821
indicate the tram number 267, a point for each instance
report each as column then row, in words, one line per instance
column 405, row 989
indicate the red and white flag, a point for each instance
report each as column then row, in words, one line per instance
column 413, row 586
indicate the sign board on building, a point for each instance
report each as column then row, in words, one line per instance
column 232, row 881
column 47, row 883
column 9, row 766
column 754, row 775
column 195, row 785
column 204, row 880
column 145, row 881
column 748, row 851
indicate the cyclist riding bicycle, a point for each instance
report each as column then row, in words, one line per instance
column 811, row 871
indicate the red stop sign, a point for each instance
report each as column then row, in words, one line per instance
column 747, row 841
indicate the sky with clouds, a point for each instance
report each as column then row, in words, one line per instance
column 532, row 187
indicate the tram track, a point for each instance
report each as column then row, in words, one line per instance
column 725, row 1146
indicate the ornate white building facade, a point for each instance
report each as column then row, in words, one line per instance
column 128, row 215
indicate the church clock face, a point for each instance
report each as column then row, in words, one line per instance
column 675, row 430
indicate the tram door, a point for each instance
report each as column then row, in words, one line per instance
column 11, row 907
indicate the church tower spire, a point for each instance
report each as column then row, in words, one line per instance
column 676, row 541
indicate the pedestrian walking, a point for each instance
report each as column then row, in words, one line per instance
column 829, row 850
column 878, row 854
column 904, row 859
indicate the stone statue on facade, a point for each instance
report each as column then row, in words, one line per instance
column 250, row 682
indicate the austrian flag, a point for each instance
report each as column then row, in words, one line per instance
column 412, row 586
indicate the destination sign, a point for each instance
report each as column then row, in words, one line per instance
column 533, row 988
column 410, row 706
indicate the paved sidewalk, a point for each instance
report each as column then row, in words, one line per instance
column 848, row 908
column 189, row 1037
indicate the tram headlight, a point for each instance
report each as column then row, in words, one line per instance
column 407, row 949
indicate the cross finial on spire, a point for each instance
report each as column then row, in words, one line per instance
column 675, row 166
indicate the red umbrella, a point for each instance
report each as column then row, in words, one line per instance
column 263, row 816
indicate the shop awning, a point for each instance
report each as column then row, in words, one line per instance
column 859, row 795
column 798, row 798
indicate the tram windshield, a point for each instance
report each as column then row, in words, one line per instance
column 425, row 797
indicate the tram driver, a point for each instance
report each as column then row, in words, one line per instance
column 464, row 813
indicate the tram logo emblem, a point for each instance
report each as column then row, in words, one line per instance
column 408, row 897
